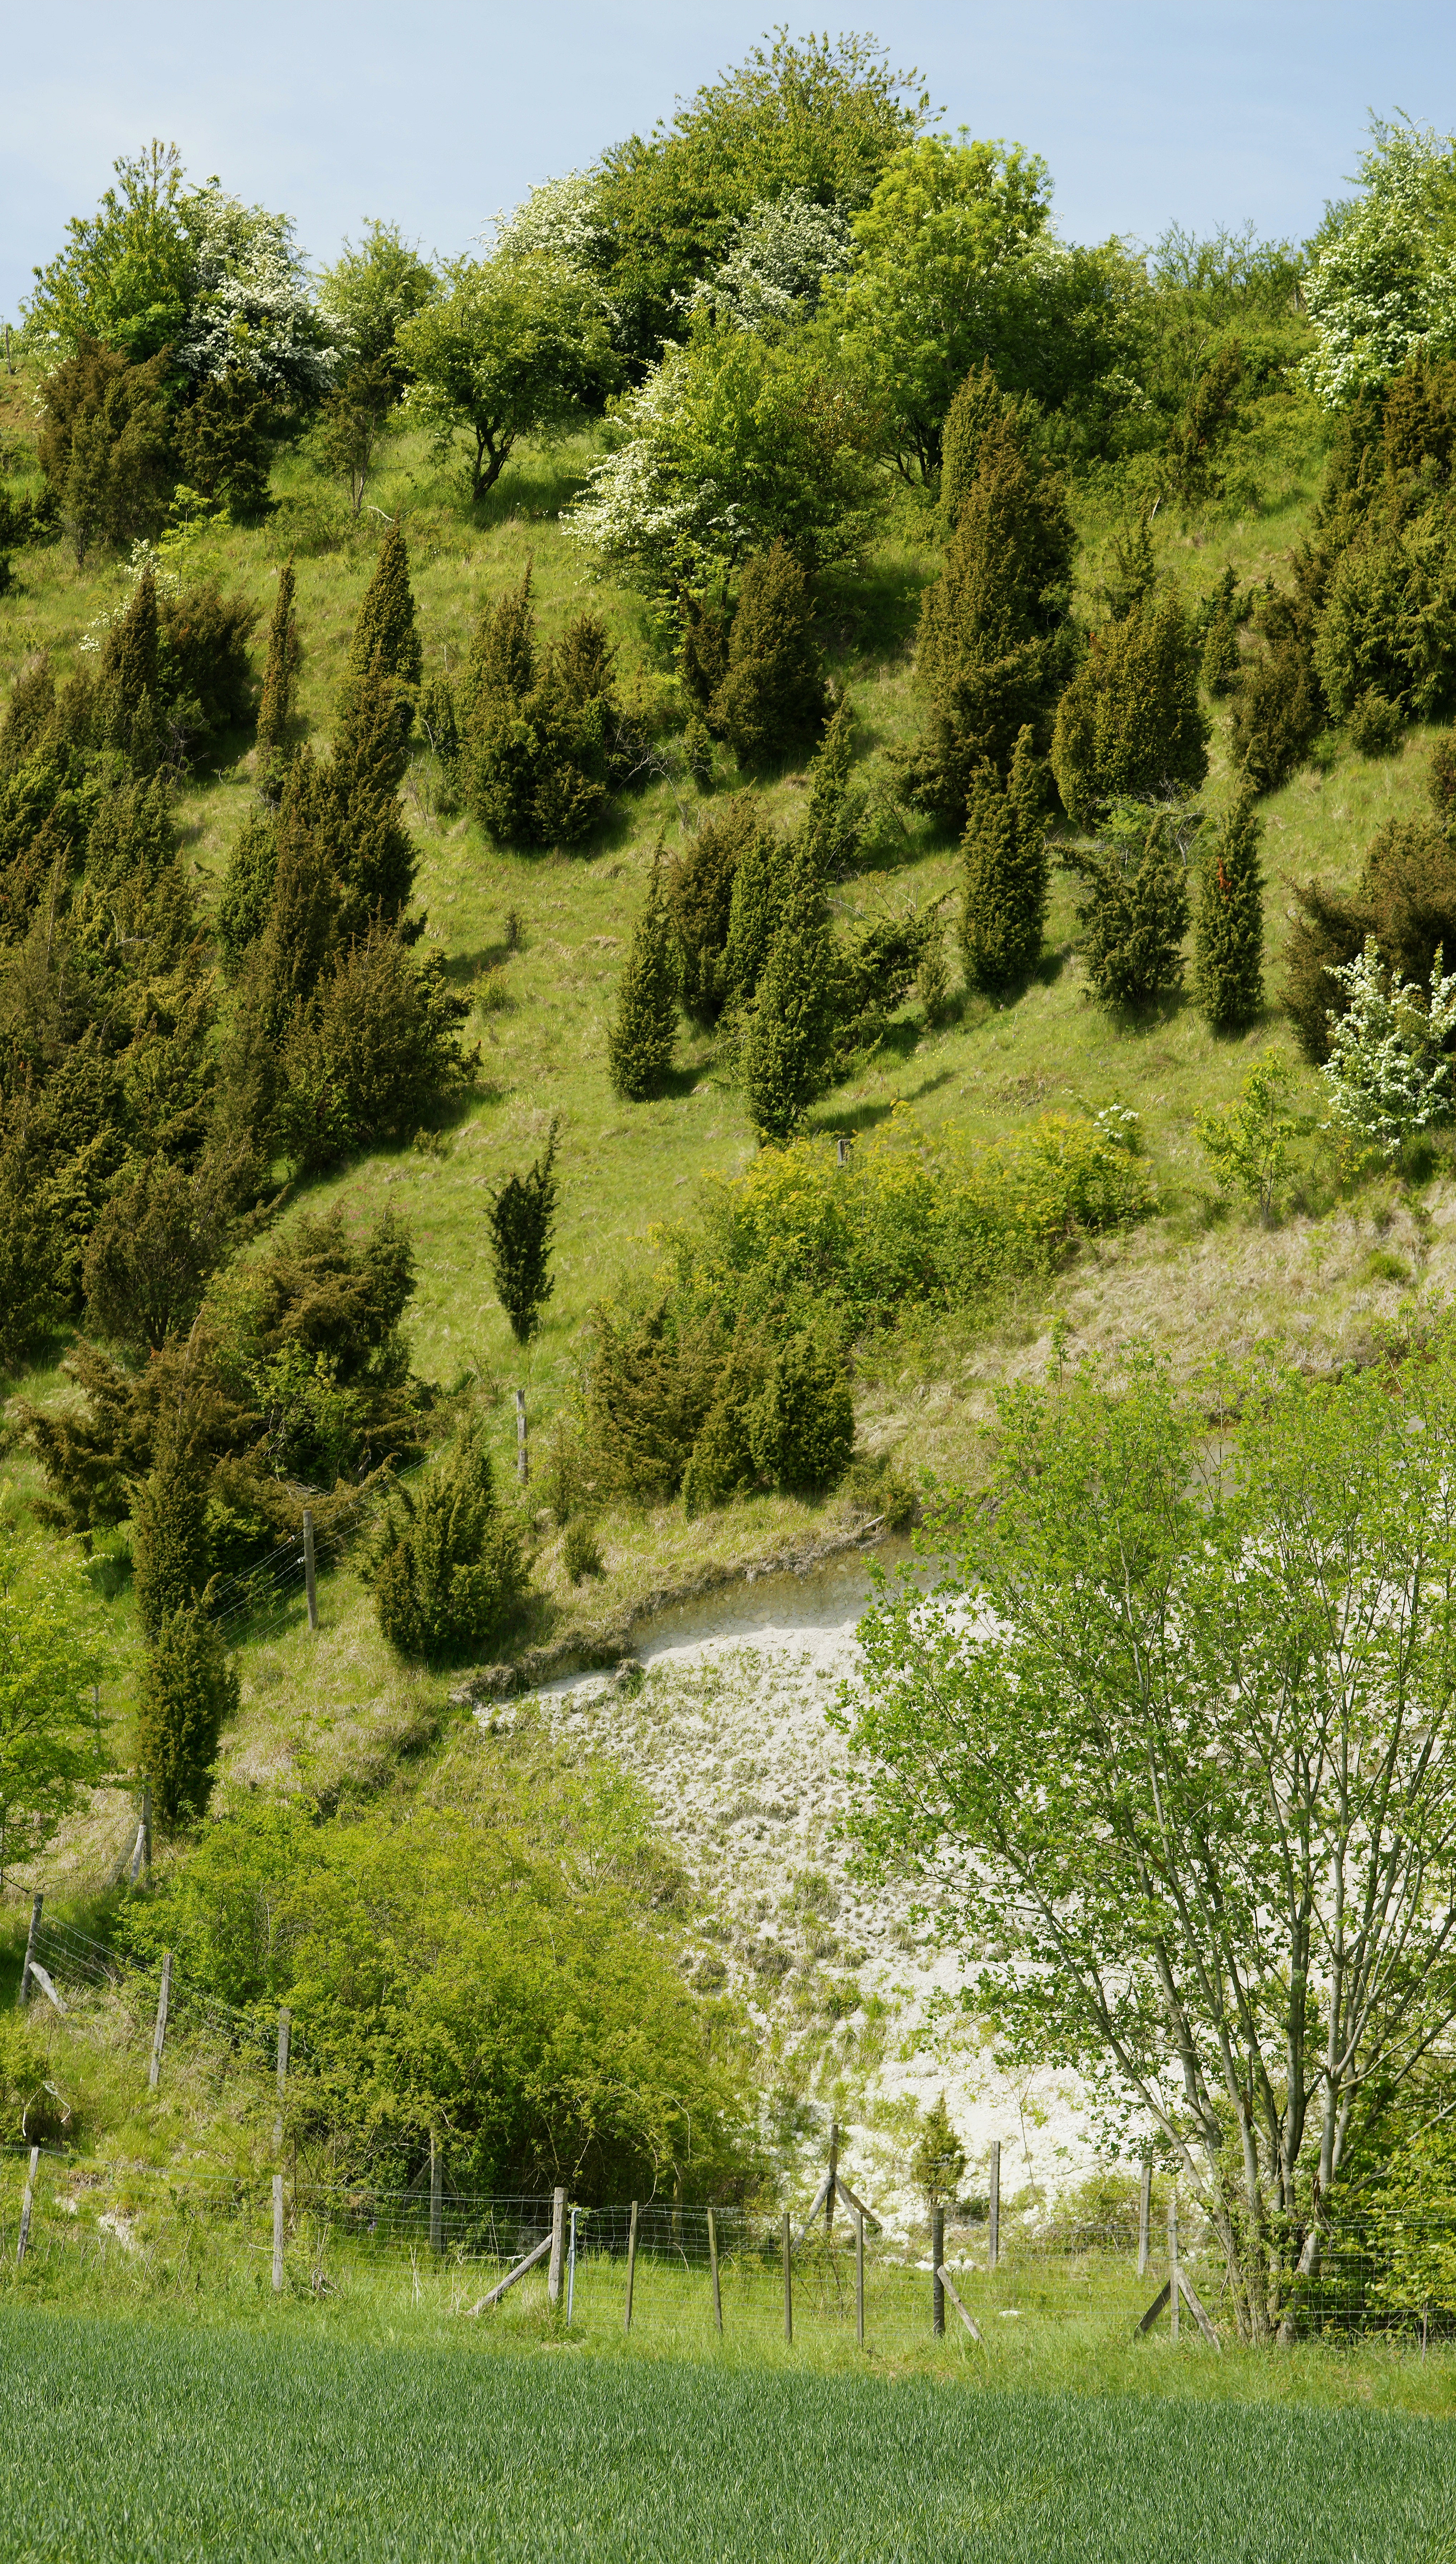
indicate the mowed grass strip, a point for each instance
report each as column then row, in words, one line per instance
column 156, row 2441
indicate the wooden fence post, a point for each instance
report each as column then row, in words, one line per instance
column 30, row 1938
column 1144, row 2216
column 558, row 2246
column 712, row 2263
column 788, row 2281
column 859, row 2278
column 993, row 2228
column 24, row 2204
column 522, row 1464
column 158, row 2036
column 841, row 1150
column 631, row 2266
column 437, row 2196
column 278, row 2233
column 937, row 2255
column 1172, row 2260
column 285, row 2041
column 311, row 1584
column 571, row 2270
column 833, row 2180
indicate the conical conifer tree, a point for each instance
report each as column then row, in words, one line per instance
column 302, row 933
column 502, row 662
column 169, row 1545
column 833, row 818
column 773, row 696
column 189, row 1692
column 760, row 888
column 1005, row 886
column 644, row 1033
column 280, row 671
column 1229, row 949
column 994, row 646
column 978, row 410
column 1130, row 723
column 127, row 680
column 521, row 1219
column 385, row 630
column 789, row 1037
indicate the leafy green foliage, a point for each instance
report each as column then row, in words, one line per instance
column 148, row 1258
column 643, row 1029
column 47, row 1663
column 801, row 1424
column 1130, row 723
column 500, row 1959
column 1378, row 289
column 223, row 445
column 507, row 349
column 1135, row 911
column 928, row 300
column 374, row 287
column 189, row 1691
column 446, row 1568
column 1247, row 1145
column 1228, row 970
column 1193, row 467
column 1387, row 1074
column 521, row 1219
column 125, row 275
column 376, row 1052
column 773, row 689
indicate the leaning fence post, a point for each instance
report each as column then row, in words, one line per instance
column 993, row 2228
column 285, row 2040
column 859, row 2278
column 278, row 2233
column 833, row 2182
column 713, row 2262
column 937, row 2255
column 571, row 2270
column 522, row 1465
column 311, row 1585
column 30, row 1938
column 1144, row 2216
column 158, row 2035
column 437, row 2196
column 558, row 2241
column 788, row 2281
column 1172, row 2260
column 24, row 2204
column 631, row 2267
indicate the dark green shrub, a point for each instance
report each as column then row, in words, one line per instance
column 801, row 1424
column 447, row 1568
column 1277, row 709
column 706, row 623
column 979, row 410
column 149, row 1256
column 1387, row 624
column 697, row 890
column 1406, row 899
column 652, row 1379
column 375, row 1054
column 247, row 892
column 756, row 910
column 644, row 1030
column 1374, row 726
column 189, row 1692
column 835, row 817
column 1223, row 616
column 1210, row 415
column 204, row 670
column 1229, row 965
column 279, row 669
column 771, row 696
column 1130, row 722
column 1441, row 783
column 1135, row 915
column 169, row 1547
column 994, row 647
column 386, row 635
column 581, row 1550
column 545, row 737
column 520, row 1220
column 1006, row 878
column 32, row 1295
column 223, row 444
column 788, row 1040
column 106, row 445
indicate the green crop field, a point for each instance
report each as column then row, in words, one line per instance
column 156, row 2443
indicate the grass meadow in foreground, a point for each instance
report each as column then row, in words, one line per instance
column 158, row 2441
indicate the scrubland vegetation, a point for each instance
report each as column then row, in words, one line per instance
column 797, row 838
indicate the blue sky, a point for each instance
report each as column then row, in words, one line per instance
column 436, row 112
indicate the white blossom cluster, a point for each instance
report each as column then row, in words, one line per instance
column 1387, row 1072
column 774, row 273
column 251, row 306
column 562, row 221
column 1384, row 287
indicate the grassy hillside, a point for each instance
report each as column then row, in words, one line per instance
column 537, row 940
